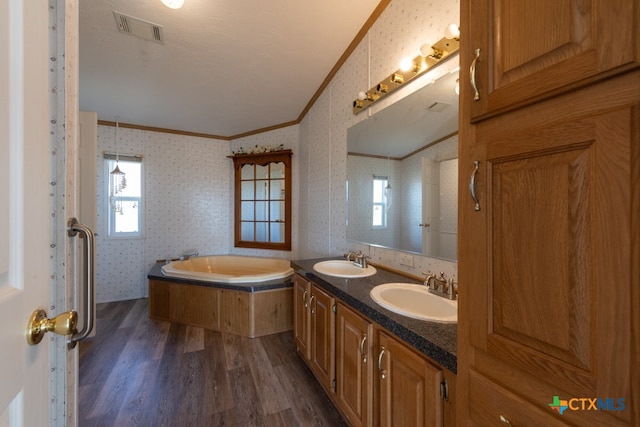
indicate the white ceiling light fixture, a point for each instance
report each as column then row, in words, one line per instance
column 173, row 4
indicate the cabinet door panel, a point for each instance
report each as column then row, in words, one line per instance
column 301, row 324
column 549, row 255
column 532, row 49
column 322, row 336
column 353, row 363
column 408, row 387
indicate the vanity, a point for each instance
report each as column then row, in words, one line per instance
column 377, row 366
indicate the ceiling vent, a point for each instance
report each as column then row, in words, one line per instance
column 139, row 28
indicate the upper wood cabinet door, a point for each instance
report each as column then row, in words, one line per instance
column 549, row 309
column 530, row 50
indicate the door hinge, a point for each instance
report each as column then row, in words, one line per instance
column 444, row 390
column 334, row 308
column 333, row 385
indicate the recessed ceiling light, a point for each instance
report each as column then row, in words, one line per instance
column 173, row 4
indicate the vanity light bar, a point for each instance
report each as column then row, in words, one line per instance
column 440, row 51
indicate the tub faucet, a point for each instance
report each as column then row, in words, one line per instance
column 186, row 256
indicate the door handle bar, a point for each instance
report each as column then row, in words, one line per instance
column 472, row 76
column 65, row 323
column 472, row 185
column 89, row 312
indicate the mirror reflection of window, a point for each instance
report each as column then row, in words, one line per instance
column 380, row 200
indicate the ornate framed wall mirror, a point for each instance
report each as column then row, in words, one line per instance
column 262, row 202
column 402, row 173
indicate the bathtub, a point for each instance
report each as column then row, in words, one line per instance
column 247, row 296
column 229, row 269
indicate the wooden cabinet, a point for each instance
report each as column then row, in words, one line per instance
column 314, row 329
column 529, row 50
column 407, row 387
column 354, row 336
column 301, row 315
column 323, row 355
column 391, row 386
column 548, row 268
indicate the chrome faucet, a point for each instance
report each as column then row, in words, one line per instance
column 186, row 256
column 350, row 256
column 441, row 286
column 361, row 260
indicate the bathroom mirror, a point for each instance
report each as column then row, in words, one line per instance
column 402, row 173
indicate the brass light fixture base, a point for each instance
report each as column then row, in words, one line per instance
column 421, row 64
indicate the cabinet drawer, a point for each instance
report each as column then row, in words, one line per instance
column 488, row 402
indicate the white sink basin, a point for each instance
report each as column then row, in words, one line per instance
column 416, row 302
column 343, row 268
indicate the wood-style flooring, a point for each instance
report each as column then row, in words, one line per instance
column 142, row 372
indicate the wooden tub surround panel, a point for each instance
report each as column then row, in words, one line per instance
column 249, row 314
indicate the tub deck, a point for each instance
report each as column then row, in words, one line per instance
column 250, row 310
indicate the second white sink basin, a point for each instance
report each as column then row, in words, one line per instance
column 343, row 268
column 416, row 302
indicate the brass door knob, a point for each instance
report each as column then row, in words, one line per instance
column 63, row 324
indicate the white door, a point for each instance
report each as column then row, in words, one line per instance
column 430, row 184
column 24, row 209
column 28, row 276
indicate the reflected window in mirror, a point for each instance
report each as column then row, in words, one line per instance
column 263, row 200
column 380, row 201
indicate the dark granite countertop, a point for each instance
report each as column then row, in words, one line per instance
column 436, row 340
column 156, row 274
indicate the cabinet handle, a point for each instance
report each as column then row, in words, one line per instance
column 472, row 75
column 502, row 419
column 472, row 185
column 364, row 356
column 313, row 310
column 304, row 298
column 383, row 374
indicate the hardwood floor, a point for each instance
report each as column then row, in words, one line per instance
column 143, row 372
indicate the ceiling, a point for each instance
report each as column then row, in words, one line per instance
column 225, row 68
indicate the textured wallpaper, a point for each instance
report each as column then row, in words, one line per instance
column 186, row 199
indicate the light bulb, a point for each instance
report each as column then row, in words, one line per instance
column 362, row 96
column 426, row 50
column 406, row 64
column 173, row 4
column 452, row 31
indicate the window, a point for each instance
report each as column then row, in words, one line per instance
column 124, row 195
column 380, row 201
column 263, row 200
